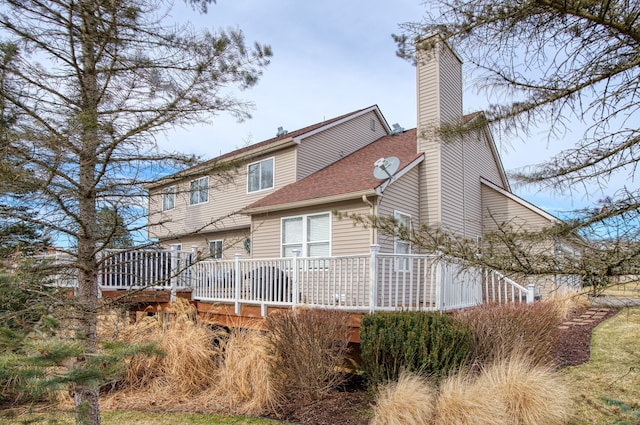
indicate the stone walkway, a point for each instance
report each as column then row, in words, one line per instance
column 590, row 316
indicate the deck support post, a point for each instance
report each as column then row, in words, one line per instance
column 373, row 277
column 236, row 284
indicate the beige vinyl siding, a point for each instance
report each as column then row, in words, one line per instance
column 499, row 210
column 233, row 242
column 345, row 237
column 226, row 196
column 450, row 70
column 400, row 196
column 479, row 162
column 453, row 193
column 439, row 88
column 464, row 164
column 322, row 149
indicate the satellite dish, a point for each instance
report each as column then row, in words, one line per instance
column 385, row 168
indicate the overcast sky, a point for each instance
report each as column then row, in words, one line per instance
column 332, row 57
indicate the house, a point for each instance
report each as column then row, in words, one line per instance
column 295, row 180
column 281, row 198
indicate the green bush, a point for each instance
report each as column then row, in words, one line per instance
column 428, row 344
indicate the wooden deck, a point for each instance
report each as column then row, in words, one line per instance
column 219, row 313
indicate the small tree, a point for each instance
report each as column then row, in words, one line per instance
column 88, row 85
column 112, row 229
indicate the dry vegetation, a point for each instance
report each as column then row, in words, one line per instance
column 500, row 330
column 240, row 371
column 531, row 394
column 512, row 391
column 200, row 369
column 308, row 347
column 511, row 378
column 410, row 401
column 461, row 402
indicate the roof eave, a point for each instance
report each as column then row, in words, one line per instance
column 310, row 202
column 197, row 169
column 521, row 201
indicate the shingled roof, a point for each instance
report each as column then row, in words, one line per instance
column 351, row 174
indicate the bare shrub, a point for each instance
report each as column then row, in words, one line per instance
column 531, row 394
column 409, row 401
column 500, row 330
column 461, row 402
column 308, row 348
column 244, row 382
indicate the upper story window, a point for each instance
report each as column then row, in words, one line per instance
column 168, row 198
column 402, row 246
column 199, row 191
column 260, row 175
column 215, row 249
column 310, row 234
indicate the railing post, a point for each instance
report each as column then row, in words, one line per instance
column 531, row 293
column 237, row 284
column 440, row 289
column 295, row 292
column 194, row 274
column 175, row 254
column 373, row 277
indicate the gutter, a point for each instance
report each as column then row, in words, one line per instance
column 310, row 202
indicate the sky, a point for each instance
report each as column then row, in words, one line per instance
column 333, row 57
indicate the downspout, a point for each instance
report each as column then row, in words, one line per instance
column 374, row 211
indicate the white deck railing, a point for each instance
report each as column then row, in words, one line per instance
column 369, row 282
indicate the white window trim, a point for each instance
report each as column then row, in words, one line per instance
column 273, row 181
column 401, row 265
column 305, row 243
column 171, row 190
column 201, row 202
column 221, row 241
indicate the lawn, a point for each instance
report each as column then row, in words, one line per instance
column 126, row 418
column 606, row 390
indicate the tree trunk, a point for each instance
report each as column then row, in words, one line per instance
column 86, row 393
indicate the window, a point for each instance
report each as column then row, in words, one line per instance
column 168, row 198
column 311, row 234
column 260, row 175
column 199, row 191
column 215, row 249
column 402, row 246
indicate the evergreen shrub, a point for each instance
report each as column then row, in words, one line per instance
column 428, row 344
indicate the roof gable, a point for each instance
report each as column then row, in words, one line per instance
column 269, row 145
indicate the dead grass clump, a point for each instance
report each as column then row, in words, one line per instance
column 245, row 383
column 308, row 348
column 500, row 330
column 189, row 357
column 568, row 302
column 410, row 401
column 531, row 394
column 462, row 402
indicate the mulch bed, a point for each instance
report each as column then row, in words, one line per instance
column 350, row 407
column 574, row 345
